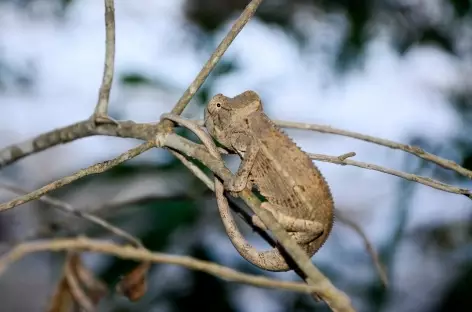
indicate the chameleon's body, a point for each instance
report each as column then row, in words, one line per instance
column 296, row 192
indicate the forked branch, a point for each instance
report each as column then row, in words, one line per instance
column 414, row 150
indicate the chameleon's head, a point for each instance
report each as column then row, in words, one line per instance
column 222, row 112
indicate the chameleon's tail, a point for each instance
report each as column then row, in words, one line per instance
column 270, row 260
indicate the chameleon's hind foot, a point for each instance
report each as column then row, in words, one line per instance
column 303, row 231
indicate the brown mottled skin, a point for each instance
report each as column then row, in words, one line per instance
column 296, row 192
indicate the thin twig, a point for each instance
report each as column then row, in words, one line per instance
column 94, row 169
column 195, row 170
column 407, row 176
column 140, row 254
column 68, row 208
column 414, row 150
column 368, row 246
column 101, row 110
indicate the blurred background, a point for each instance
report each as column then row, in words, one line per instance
column 396, row 69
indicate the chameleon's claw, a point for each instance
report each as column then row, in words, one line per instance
column 233, row 187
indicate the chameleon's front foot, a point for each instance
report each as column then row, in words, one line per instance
column 235, row 186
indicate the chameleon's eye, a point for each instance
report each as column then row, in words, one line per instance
column 216, row 103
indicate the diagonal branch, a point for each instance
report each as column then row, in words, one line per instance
column 140, row 254
column 97, row 168
column 242, row 20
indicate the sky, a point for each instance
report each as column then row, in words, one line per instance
column 391, row 96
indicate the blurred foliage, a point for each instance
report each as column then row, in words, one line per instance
column 16, row 77
column 411, row 26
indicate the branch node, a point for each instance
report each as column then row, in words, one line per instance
column 343, row 157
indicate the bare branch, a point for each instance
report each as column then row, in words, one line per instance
column 140, row 254
column 81, row 129
column 407, row 176
column 101, row 110
column 68, row 208
column 195, row 170
column 368, row 246
column 97, row 168
column 414, row 150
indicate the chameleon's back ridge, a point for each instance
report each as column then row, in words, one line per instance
column 288, row 166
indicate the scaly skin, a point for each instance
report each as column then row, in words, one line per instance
column 296, row 192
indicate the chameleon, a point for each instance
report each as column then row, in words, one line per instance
column 296, row 192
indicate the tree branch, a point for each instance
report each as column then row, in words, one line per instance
column 140, row 254
column 242, row 20
column 97, row 168
column 407, row 176
column 81, row 129
column 101, row 110
column 414, row 150
column 66, row 207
